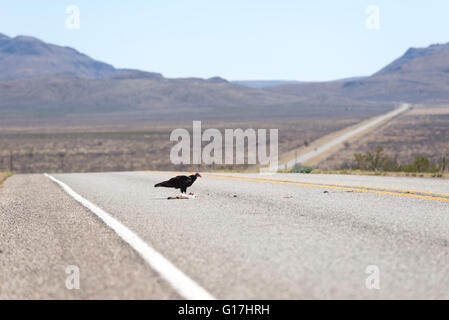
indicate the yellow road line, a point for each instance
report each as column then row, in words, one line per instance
column 382, row 188
column 410, row 194
column 290, row 182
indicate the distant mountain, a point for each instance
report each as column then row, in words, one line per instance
column 131, row 91
column 37, row 75
column 352, row 78
column 421, row 75
column 22, row 57
column 416, row 61
column 259, row 84
column 50, row 79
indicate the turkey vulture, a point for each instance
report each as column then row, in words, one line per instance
column 179, row 182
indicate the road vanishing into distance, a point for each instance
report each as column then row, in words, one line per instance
column 358, row 129
column 246, row 236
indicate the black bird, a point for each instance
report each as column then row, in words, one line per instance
column 179, row 182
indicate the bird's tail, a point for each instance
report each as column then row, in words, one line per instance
column 162, row 184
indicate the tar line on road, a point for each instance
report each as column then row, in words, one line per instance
column 185, row 286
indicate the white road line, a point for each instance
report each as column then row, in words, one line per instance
column 185, row 286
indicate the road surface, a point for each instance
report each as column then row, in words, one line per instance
column 344, row 137
column 246, row 236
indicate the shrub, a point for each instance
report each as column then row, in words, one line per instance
column 378, row 160
column 374, row 161
column 301, row 169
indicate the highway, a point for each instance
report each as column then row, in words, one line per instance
column 246, row 236
column 345, row 136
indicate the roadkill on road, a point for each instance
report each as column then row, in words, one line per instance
column 184, row 196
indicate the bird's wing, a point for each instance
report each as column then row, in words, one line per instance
column 176, row 182
column 179, row 181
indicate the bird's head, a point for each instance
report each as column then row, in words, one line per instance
column 198, row 175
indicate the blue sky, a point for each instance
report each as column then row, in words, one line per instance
column 246, row 39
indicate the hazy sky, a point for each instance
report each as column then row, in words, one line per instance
column 245, row 39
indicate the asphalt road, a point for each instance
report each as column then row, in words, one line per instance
column 279, row 236
column 345, row 137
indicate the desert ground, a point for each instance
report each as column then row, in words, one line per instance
column 423, row 131
column 125, row 144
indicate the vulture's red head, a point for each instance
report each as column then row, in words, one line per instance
column 198, row 175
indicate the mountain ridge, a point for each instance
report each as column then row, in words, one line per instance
column 25, row 56
column 420, row 75
column 38, row 75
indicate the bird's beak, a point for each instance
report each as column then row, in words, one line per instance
column 200, row 175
